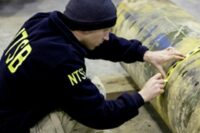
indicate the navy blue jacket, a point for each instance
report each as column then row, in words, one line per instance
column 43, row 70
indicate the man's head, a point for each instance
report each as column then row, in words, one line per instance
column 90, row 19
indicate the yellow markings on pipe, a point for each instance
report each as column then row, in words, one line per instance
column 174, row 66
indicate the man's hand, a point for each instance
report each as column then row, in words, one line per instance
column 158, row 58
column 153, row 87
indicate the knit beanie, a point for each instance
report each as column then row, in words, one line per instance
column 90, row 14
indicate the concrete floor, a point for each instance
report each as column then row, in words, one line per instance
column 12, row 17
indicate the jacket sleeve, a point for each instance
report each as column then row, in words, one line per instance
column 119, row 49
column 81, row 99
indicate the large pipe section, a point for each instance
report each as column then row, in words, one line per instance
column 160, row 24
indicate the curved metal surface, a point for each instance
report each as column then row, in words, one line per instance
column 161, row 24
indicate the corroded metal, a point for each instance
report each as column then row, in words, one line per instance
column 161, row 24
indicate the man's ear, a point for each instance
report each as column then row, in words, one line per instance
column 86, row 32
column 78, row 34
column 81, row 33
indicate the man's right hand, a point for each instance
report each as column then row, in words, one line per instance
column 153, row 87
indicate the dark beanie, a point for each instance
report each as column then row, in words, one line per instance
column 90, row 14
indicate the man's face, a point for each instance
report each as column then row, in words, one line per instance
column 94, row 38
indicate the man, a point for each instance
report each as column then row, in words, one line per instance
column 43, row 71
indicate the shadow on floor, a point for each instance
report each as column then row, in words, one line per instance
column 155, row 116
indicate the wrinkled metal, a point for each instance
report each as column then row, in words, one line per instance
column 161, row 24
